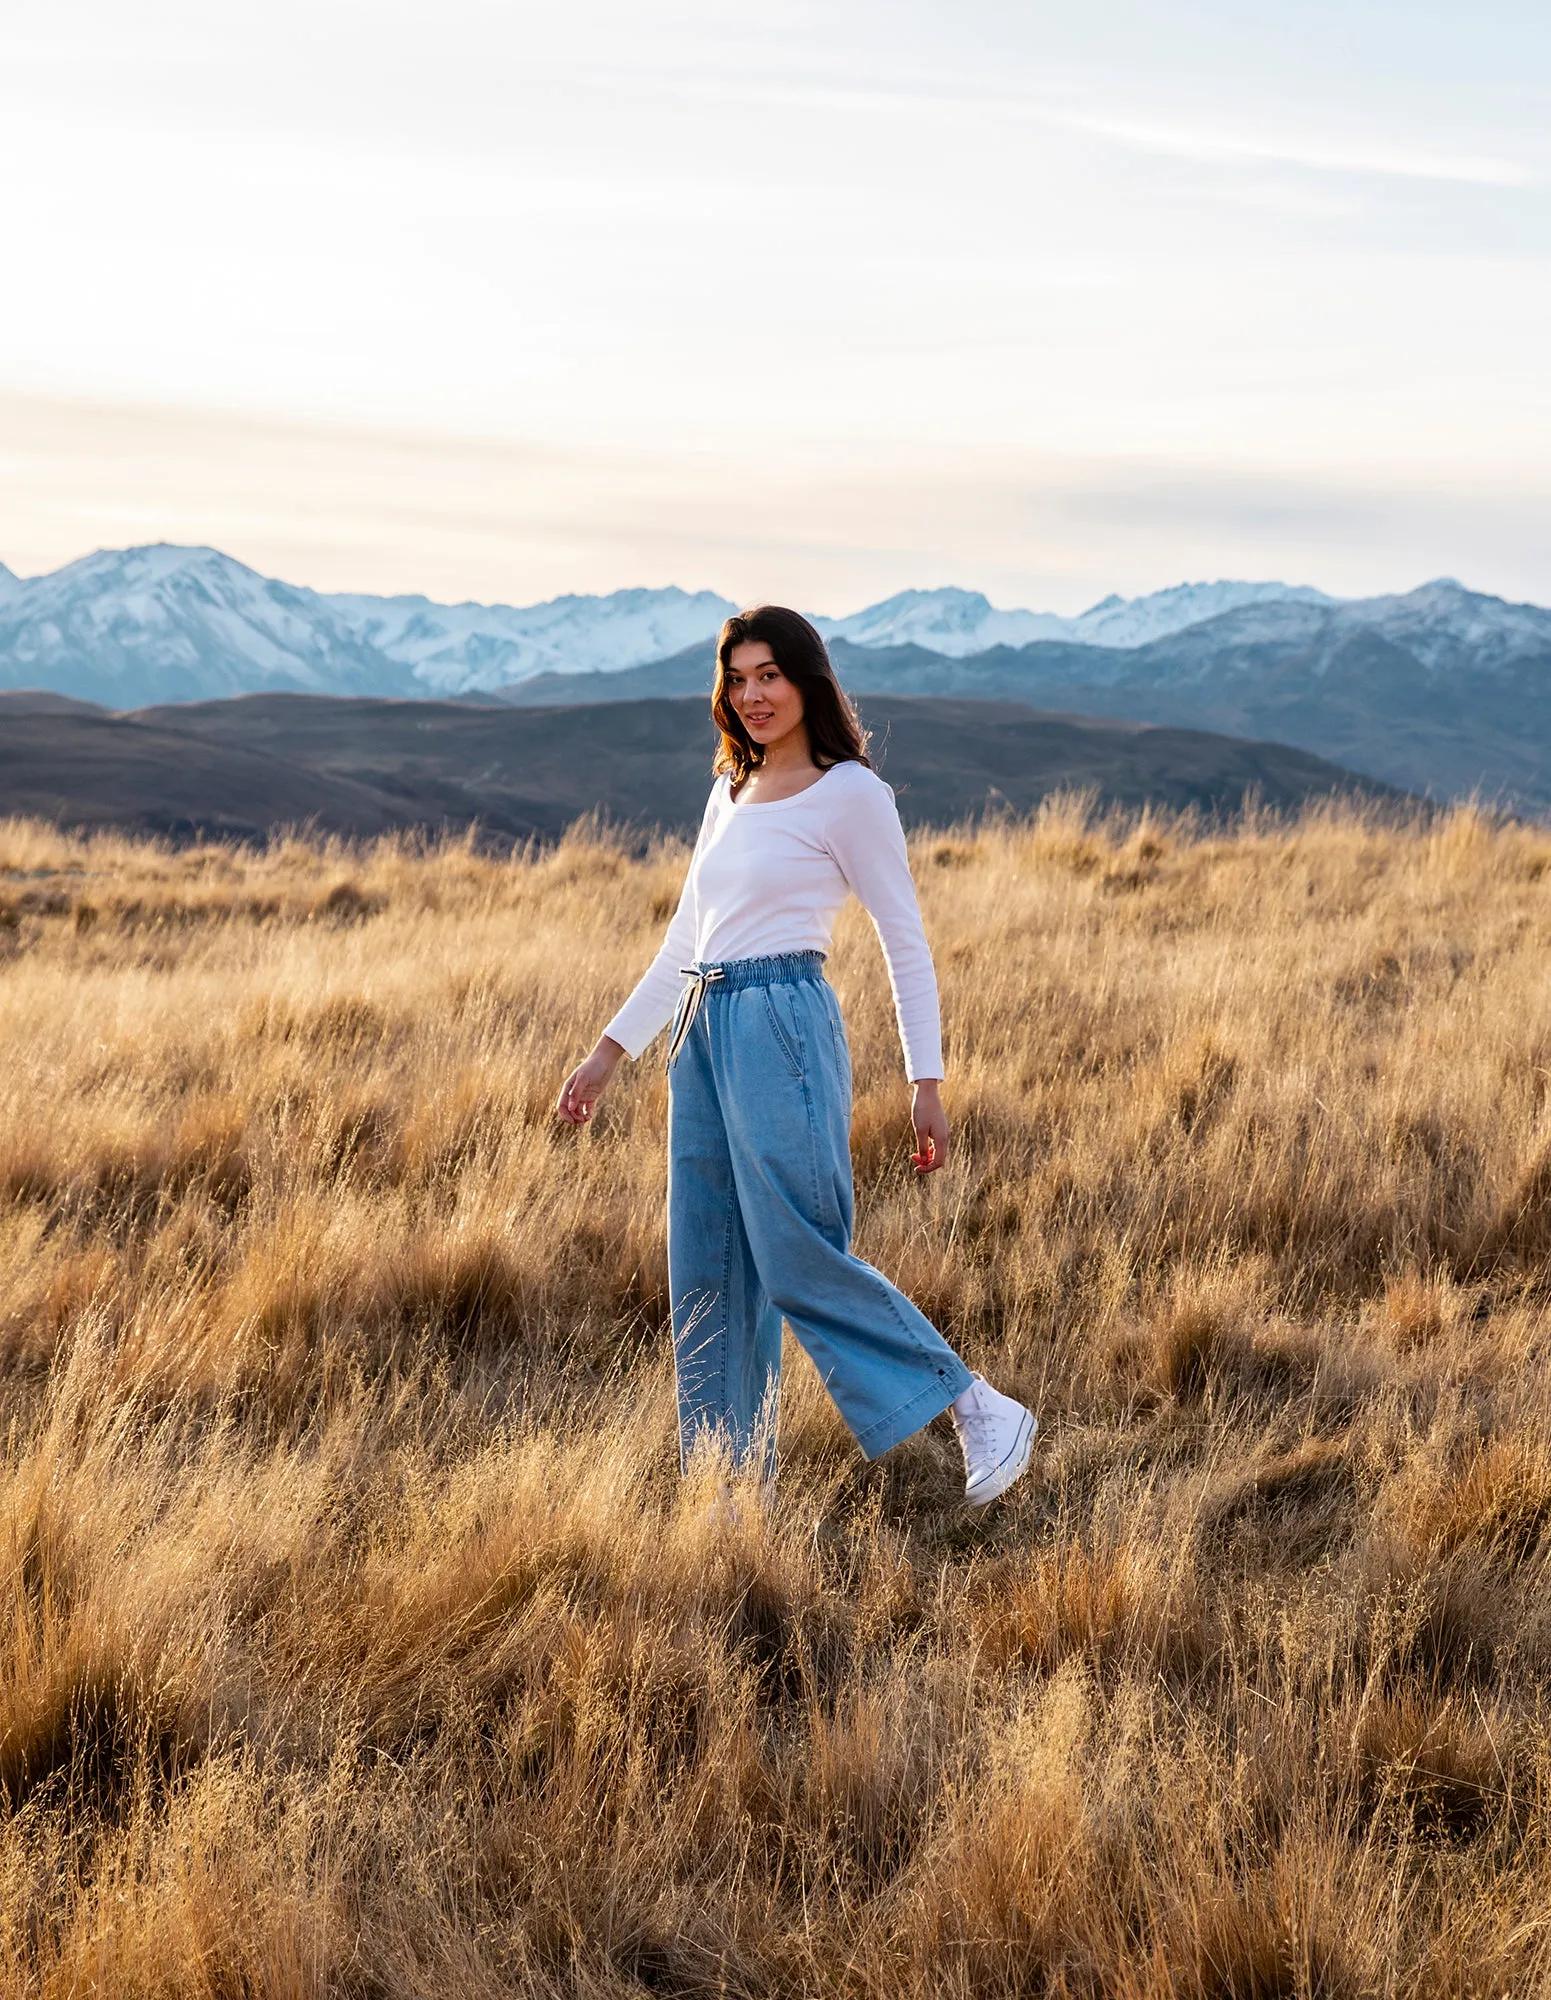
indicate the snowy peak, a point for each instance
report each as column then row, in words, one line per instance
column 1137, row 621
column 163, row 623
column 960, row 622
column 1447, row 629
column 1444, row 625
column 955, row 623
column 459, row 648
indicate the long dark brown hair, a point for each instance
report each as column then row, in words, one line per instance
column 835, row 733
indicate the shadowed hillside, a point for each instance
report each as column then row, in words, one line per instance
column 358, row 1638
column 362, row 768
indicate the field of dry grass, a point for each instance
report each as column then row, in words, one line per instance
column 357, row 1636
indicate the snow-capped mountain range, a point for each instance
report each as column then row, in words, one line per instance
column 132, row 626
column 463, row 648
column 127, row 627
column 1441, row 689
column 958, row 623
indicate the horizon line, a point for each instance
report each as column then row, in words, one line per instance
column 912, row 590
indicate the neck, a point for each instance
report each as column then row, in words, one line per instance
column 792, row 753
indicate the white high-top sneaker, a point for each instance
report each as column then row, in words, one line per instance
column 997, row 1436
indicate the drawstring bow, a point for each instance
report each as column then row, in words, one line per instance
column 690, row 1002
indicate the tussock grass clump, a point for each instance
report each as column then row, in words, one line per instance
column 358, row 1635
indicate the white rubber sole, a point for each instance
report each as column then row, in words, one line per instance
column 991, row 1485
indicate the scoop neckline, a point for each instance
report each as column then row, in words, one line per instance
column 774, row 805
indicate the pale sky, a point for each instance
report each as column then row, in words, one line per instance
column 806, row 300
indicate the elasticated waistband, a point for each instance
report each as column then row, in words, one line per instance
column 773, row 971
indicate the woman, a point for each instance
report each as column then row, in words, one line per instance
column 759, row 1182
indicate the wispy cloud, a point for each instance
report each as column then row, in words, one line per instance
column 1185, row 142
column 345, row 509
column 1226, row 148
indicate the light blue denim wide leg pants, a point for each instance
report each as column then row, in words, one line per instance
column 759, row 1221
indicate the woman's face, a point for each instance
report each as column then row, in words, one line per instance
column 767, row 704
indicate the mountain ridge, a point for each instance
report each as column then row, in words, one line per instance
column 1439, row 690
column 166, row 622
column 959, row 623
column 1405, row 689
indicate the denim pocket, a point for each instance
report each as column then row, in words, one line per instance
column 791, row 1049
column 837, row 1035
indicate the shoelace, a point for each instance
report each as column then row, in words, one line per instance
column 975, row 1432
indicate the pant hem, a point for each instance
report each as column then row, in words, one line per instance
column 913, row 1416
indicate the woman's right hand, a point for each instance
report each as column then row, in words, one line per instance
column 588, row 1081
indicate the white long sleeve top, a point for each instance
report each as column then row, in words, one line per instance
column 771, row 876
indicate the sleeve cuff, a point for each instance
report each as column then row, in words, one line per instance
column 632, row 1045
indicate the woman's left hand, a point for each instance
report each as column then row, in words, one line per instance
column 931, row 1123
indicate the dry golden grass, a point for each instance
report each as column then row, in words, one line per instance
column 358, row 1637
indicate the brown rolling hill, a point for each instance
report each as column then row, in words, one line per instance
column 244, row 767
